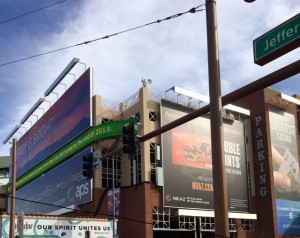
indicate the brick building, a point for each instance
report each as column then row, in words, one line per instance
column 142, row 211
column 258, row 206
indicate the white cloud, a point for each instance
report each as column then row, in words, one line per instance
column 170, row 53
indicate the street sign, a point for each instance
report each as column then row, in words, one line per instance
column 278, row 41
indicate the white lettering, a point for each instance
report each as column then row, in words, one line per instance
column 82, row 190
column 281, row 37
column 261, row 157
column 263, row 191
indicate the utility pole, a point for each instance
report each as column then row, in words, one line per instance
column 217, row 137
column 13, row 190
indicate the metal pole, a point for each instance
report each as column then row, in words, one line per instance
column 13, row 190
column 113, row 185
column 217, row 137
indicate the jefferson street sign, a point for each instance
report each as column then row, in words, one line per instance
column 278, row 41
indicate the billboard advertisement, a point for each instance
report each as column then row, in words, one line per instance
column 67, row 228
column 187, row 162
column 113, row 203
column 286, row 174
column 69, row 116
column 64, row 186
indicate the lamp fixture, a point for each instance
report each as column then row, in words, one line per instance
column 61, row 76
column 290, row 99
column 11, row 134
column 203, row 98
column 29, row 113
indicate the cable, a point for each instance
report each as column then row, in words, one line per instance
column 192, row 10
column 76, row 210
column 13, row 18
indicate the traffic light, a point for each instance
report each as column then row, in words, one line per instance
column 128, row 139
column 88, row 165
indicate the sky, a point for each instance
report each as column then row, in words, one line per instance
column 170, row 53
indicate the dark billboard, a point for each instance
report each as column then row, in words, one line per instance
column 69, row 116
column 285, row 171
column 187, row 162
column 61, row 187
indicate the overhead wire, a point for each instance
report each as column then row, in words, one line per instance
column 192, row 10
column 28, row 13
column 76, row 210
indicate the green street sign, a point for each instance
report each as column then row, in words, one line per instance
column 278, row 41
column 100, row 132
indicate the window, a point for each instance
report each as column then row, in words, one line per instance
column 207, row 223
column 161, row 217
column 248, row 225
column 153, row 116
column 111, row 170
column 232, row 224
column 104, row 120
column 4, row 173
column 153, row 162
column 187, row 222
column 137, row 117
column 136, row 167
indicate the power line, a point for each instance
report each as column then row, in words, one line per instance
column 192, row 10
column 75, row 210
column 25, row 14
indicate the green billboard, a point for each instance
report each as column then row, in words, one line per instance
column 100, row 132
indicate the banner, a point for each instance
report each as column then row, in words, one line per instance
column 60, row 188
column 68, row 117
column 113, row 203
column 187, row 162
column 102, row 131
column 286, row 175
column 67, row 228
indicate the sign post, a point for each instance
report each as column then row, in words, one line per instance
column 20, row 223
column 278, row 41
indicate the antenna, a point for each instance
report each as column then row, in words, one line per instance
column 146, row 81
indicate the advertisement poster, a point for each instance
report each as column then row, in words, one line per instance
column 285, row 171
column 65, row 228
column 187, row 162
column 63, row 186
column 69, row 116
column 113, row 209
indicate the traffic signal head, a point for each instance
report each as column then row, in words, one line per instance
column 128, row 139
column 88, row 165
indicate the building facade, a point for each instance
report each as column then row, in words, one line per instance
column 264, row 195
column 142, row 210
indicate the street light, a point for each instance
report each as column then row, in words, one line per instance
column 249, row 0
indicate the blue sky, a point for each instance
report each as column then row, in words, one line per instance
column 170, row 53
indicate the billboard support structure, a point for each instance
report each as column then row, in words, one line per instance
column 13, row 191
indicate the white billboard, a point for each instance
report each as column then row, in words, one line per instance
column 65, row 228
